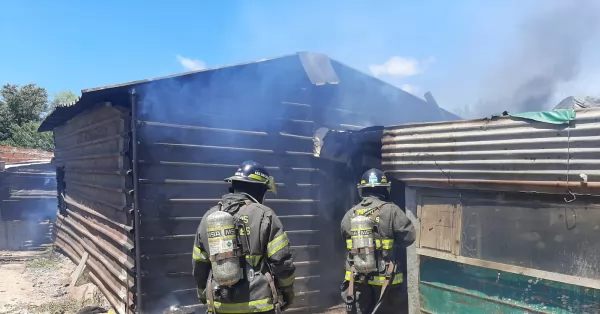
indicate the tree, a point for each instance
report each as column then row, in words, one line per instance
column 22, row 109
column 27, row 136
column 25, row 103
column 61, row 98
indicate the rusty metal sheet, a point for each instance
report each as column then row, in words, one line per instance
column 501, row 153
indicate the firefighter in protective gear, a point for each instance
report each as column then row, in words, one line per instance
column 242, row 237
column 373, row 229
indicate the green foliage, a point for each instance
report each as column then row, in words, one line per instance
column 26, row 103
column 27, row 136
column 22, row 109
column 60, row 98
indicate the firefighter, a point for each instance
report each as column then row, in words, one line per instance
column 373, row 229
column 241, row 260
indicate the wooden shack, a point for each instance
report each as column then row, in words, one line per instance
column 139, row 163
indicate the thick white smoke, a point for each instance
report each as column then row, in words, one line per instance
column 547, row 62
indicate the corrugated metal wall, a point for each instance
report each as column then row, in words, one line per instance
column 27, row 205
column 94, row 176
column 500, row 154
column 28, row 192
column 183, row 161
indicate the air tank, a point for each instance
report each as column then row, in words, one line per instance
column 222, row 239
column 361, row 229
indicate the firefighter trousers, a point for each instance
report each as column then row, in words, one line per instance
column 366, row 297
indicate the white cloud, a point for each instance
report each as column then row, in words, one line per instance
column 400, row 67
column 410, row 88
column 191, row 64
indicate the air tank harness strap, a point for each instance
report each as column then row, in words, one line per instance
column 220, row 256
column 210, row 294
column 389, row 275
column 274, row 292
column 362, row 250
column 350, row 300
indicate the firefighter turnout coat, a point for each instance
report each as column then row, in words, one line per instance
column 394, row 229
column 268, row 252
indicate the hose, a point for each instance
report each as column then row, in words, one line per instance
column 376, row 308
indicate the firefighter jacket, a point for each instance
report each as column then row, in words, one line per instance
column 394, row 229
column 269, row 251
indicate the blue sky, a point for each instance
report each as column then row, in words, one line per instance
column 447, row 47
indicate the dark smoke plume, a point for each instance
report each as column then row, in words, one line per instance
column 548, row 53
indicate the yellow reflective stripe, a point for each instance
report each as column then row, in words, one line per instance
column 288, row 281
column 378, row 280
column 379, row 244
column 200, row 255
column 257, row 306
column 253, row 259
column 387, row 244
column 257, row 177
column 277, row 244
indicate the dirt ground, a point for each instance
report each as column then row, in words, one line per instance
column 39, row 283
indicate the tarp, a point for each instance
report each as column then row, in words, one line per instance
column 561, row 116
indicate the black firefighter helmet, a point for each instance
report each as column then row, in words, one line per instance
column 253, row 172
column 374, row 178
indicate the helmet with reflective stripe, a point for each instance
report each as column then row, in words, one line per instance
column 252, row 172
column 373, row 178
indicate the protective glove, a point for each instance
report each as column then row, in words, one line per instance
column 288, row 297
column 201, row 295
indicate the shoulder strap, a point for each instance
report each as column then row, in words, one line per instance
column 243, row 239
column 374, row 211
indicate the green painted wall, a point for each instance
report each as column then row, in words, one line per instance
column 447, row 287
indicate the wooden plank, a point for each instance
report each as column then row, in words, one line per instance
column 412, row 258
column 438, row 227
column 458, row 217
column 79, row 270
column 573, row 280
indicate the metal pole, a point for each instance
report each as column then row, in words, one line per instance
column 136, row 200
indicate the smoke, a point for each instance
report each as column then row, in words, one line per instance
column 548, row 54
column 515, row 56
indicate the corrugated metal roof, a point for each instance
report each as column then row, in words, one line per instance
column 578, row 103
column 69, row 104
column 316, row 69
column 500, row 154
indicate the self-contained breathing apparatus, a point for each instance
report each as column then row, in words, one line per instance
column 228, row 251
column 368, row 255
column 229, row 242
